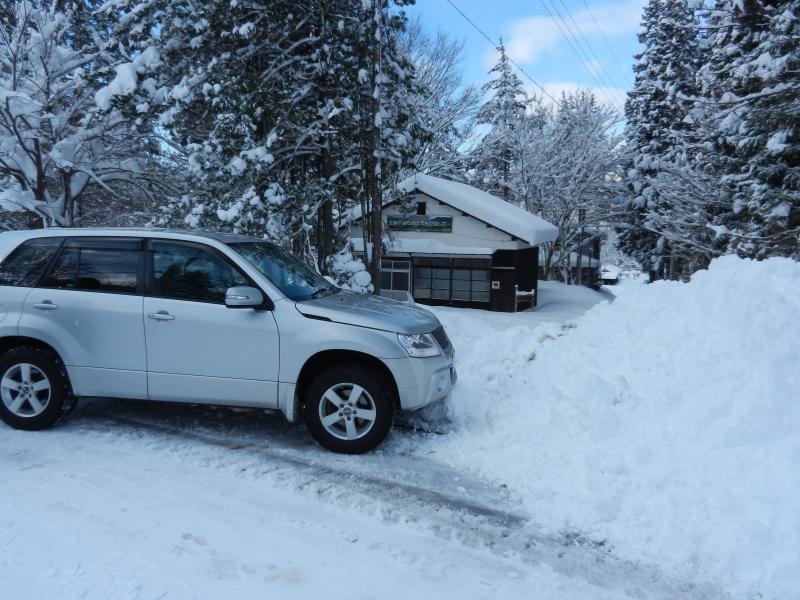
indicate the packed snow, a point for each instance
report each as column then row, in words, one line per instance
column 663, row 425
column 93, row 514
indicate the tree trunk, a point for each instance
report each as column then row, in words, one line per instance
column 327, row 233
column 69, row 201
column 373, row 175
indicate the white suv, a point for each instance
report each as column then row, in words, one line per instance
column 206, row 318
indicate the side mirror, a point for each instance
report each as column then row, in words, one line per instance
column 244, row 297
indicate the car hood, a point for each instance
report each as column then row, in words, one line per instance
column 375, row 312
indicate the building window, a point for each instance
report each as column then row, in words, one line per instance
column 422, row 208
column 459, row 279
column 395, row 278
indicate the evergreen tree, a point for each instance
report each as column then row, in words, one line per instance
column 752, row 79
column 659, row 133
column 493, row 157
column 289, row 113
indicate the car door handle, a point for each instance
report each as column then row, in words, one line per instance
column 46, row 305
column 161, row 315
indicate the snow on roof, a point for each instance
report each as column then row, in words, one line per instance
column 481, row 205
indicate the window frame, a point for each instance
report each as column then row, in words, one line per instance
column 450, row 264
column 149, row 283
column 13, row 254
column 112, row 243
column 391, row 270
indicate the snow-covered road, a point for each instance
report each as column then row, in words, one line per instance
column 136, row 500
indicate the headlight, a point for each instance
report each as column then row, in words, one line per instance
column 419, row 345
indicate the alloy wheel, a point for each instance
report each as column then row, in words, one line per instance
column 25, row 390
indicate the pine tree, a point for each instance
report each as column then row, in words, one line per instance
column 493, row 157
column 289, row 113
column 752, row 79
column 659, row 133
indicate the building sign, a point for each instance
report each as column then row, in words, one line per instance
column 420, row 223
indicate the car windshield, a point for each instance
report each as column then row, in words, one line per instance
column 290, row 275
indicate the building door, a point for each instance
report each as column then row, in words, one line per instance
column 395, row 278
column 503, row 293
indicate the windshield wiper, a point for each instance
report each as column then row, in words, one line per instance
column 323, row 292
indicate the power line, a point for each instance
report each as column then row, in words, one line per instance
column 586, row 43
column 622, row 70
column 496, row 47
column 577, row 49
column 602, row 88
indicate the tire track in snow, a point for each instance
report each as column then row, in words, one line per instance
column 413, row 489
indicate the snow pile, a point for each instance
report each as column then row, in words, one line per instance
column 666, row 424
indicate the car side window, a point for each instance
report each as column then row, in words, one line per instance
column 95, row 269
column 25, row 265
column 189, row 272
column 108, row 270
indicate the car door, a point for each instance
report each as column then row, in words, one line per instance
column 89, row 307
column 19, row 273
column 199, row 350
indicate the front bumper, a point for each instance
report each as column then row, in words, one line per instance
column 421, row 381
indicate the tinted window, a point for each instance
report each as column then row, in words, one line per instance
column 95, row 270
column 186, row 272
column 25, row 265
column 108, row 270
column 64, row 271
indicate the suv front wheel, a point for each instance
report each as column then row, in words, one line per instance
column 349, row 408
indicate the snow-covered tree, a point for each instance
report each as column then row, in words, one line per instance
column 568, row 172
column 289, row 112
column 751, row 79
column 56, row 146
column 659, row 134
column 491, row 159
column 715, row 156
column 443, row 106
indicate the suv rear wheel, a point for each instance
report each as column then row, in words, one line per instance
column 349, row 408
column 34, row 392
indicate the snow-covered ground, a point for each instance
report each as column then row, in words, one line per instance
column 648, row 449
column 98, row 509
column 135, row 500
column 664, row 425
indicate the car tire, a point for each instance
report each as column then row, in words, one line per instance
column 34, row 389
column 344, row 424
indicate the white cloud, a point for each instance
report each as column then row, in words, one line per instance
column 531, row 37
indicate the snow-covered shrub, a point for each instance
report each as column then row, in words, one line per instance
column 349, row 272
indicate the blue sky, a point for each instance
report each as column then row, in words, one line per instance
column 605, row 32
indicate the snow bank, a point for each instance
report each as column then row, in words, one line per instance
column 666, row 424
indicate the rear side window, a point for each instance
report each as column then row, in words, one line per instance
column 95, row 269
column 188, row 272
column 25, row 265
